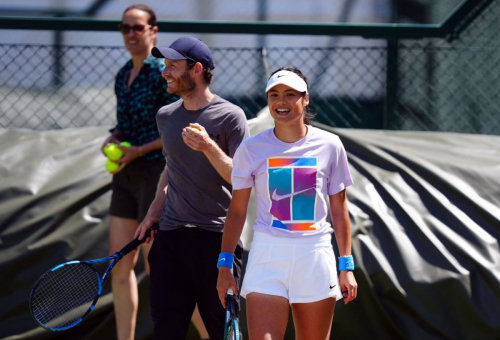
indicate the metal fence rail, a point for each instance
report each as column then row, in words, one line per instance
column 433, row 84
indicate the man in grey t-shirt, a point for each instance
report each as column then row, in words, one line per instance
column 200, row 134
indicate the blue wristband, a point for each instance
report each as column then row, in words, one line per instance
column 346, row 263
column 225, row 260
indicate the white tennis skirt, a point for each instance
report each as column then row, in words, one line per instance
column 301, row 269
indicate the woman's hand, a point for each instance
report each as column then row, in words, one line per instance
column 348, row 285
column 224, row 282
column 130, row 153
column 110, row 139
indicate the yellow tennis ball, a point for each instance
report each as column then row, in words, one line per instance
column 127, row 144
column 194, row 127
column 111, row 166
column 106, row 148
column 113, row 152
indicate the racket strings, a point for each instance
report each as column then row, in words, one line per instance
column 64, row 295
column 232, row 331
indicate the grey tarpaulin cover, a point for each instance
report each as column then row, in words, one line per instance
column 425, row 221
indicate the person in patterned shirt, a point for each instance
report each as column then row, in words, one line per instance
column 140, row 92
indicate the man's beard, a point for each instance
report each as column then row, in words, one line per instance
column 185, row 85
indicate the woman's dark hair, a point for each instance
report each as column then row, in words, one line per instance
column 307, row 111
column 207, row 73
column 145, row 8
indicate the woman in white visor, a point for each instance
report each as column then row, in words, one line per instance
column 298, row 172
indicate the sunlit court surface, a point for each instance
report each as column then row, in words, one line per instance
column 410, row 91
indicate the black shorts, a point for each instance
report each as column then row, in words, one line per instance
column 183, row 273
column 134, row 188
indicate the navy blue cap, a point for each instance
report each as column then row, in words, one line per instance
column 189, row 48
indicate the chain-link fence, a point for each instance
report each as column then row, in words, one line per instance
column 452, row 85
column 431, row 84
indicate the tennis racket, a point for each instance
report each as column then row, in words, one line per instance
column 67, row 293
column 231, row 326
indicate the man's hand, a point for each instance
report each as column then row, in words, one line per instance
column 196, row 137
column 146, row 224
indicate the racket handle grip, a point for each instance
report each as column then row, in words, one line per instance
column 136, row 242
column 230, row 290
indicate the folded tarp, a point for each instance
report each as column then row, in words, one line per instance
column 425, row 222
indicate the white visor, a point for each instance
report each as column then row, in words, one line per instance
column 287, row 78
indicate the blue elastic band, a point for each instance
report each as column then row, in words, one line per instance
column 346, row 263
column 225, row 260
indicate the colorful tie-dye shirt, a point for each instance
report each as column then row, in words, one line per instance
column 292, row 181
column 137, row 106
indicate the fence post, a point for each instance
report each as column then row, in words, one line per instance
column 391, row 90
column 58, row 65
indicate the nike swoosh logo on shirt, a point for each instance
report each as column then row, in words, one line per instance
column 277, row 197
